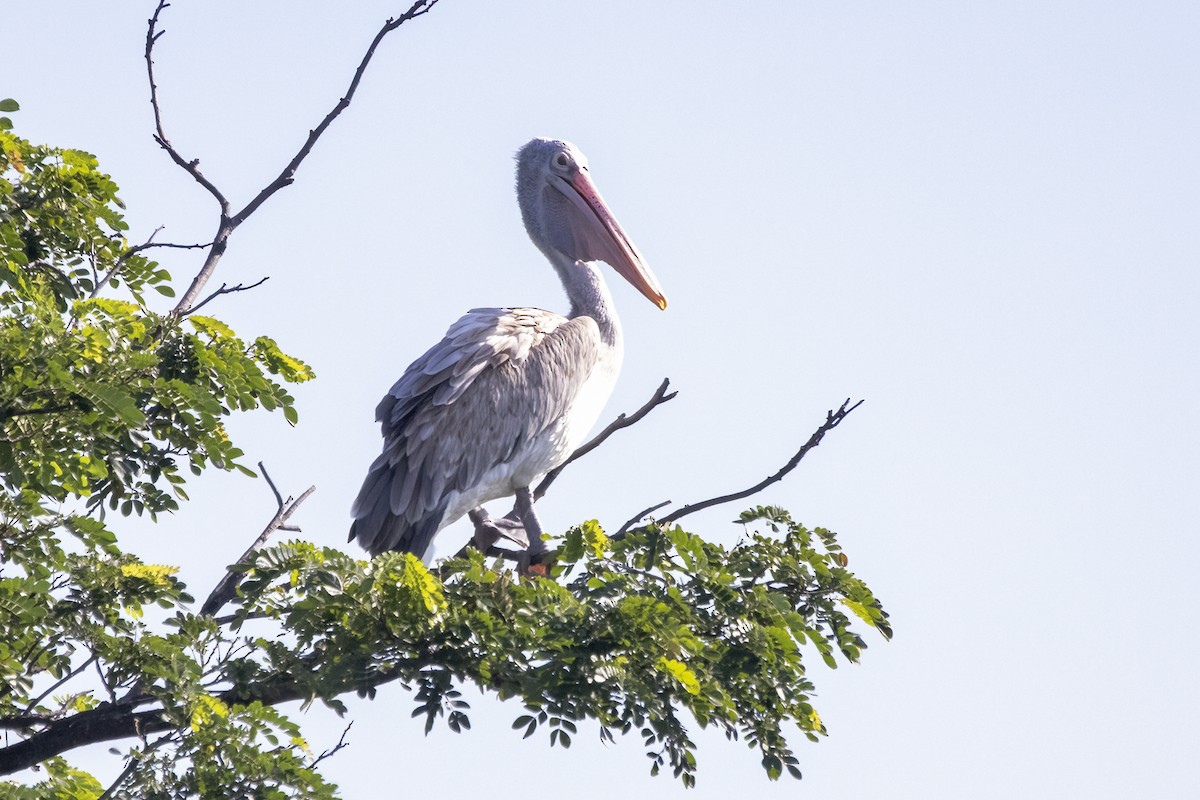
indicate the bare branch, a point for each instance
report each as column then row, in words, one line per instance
column 225, row 226
column 160, row 134
column 341, row 743
column 287, row 175
column 120, row 779
column 119, row 720
column 636, row 518
column 492, row 551
column 146, row 245
column 20, row 722
column 229, row 222
column 37, row 700
column 832, row 420
column 226, row 588
column 226, row 290
column 659, row 397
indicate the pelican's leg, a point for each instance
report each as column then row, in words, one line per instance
column 533, row 528
column 489, row 530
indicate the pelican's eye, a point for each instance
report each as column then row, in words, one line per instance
column 562, row 161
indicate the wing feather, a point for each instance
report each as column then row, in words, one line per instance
column 477, row 400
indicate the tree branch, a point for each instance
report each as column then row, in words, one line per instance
column 832, row 420
column 120, row 721
column 659, row 397
column 21, row 722
column 229, row 222
column 226, row 588
column 638, row 517
column 160, row 135
column 287, row 175
column 134, row 760
column 146, row 245
column 224, row 290
column 341, row 743
column 53, row 688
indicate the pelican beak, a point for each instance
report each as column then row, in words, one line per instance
column 606, row 241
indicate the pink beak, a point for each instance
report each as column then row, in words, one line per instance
column 605, row 240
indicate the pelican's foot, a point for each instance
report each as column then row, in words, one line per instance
column 534, row 564
column 488, row 530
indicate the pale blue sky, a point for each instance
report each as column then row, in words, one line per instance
column 981, row 217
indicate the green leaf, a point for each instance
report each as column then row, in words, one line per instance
column 211, row 326
column 681, row 673
column 115, row 400
column 8, row 104
column 861, row 611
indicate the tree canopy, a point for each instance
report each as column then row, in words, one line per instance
column 109, row 407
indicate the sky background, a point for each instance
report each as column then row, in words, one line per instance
column 980, row 217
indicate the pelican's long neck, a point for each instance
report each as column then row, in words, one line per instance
column 588, row 294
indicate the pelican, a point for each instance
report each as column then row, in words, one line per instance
column 509, row 393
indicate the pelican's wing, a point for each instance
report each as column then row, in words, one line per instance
column 499, row 379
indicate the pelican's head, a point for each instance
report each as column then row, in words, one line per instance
column 563, row 211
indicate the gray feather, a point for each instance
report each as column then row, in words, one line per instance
column 497, row 380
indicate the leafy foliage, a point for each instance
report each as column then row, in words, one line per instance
column 99, row 397
column 103, row 403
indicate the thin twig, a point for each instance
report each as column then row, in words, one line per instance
column 146, row 245
column 225, row 290
column 832, row 420
column 224, row 226
column 492, row 551
column 229, row 221
column 108, row 687
column 124, row 776
column 659, row 397
column 624, row 529
column 341, row 743
column 160, row 134
column 134, row 760
column 37, row 701
column 287, row 175
column 226, row 588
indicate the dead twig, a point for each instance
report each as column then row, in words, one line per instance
column 341, row 743
column 287, row 175
column 146, row 245
column 229, row 220
column 226, row 290
column 832, row 420
column 226, row 588
column 191, row 167
column 638, row 517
